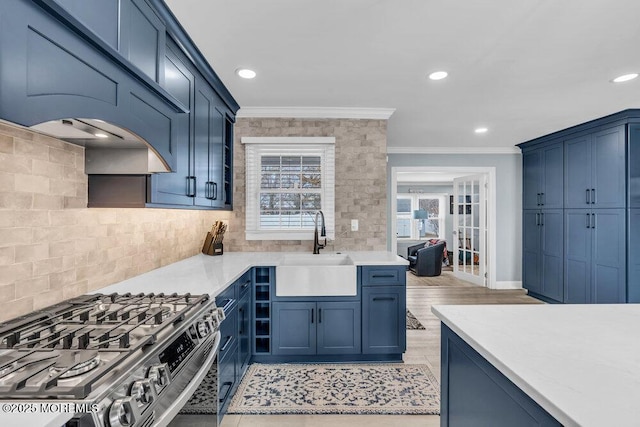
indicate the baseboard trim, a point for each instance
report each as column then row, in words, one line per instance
column 508, row 284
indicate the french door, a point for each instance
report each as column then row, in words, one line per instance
column 470, row 228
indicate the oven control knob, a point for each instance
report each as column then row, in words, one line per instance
column 159, row 376
column 143, row 392
column 122, row 413
column 204, row 328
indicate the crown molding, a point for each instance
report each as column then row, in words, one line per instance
column 453, row 150
column 316, row 113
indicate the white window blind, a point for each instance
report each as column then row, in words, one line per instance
column 288, row 181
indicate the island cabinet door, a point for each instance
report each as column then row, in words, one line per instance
column 294, row 328
column 383, row 319
column 633, row 257
column 339, row 325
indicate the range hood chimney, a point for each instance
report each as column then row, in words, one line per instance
column 109, row 149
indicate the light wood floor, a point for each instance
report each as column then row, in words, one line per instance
column 423, row 347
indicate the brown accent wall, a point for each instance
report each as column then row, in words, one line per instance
column 361, row 182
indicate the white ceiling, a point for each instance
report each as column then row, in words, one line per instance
column 521, row 68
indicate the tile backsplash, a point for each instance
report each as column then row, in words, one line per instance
column 361, row 182
column 53, row 248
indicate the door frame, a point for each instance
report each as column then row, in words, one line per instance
column 490, row 172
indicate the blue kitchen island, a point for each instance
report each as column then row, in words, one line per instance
column 548, row 365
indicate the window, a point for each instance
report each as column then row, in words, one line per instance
column 432, row 209
column 288, row 181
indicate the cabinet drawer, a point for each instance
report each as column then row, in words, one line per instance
column 244, row 284
column 227, row 377
column 227, row 297
column 228, row 332
column 384, row 275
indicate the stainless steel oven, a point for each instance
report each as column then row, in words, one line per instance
column 120, row 360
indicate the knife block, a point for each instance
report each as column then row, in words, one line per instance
column 211, row 248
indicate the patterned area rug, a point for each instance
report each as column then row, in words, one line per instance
column 205, row 398
column 413, row 322
column 393, row 388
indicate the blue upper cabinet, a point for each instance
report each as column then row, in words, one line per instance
column 99, row 16
column 129, row 63
column 595, row 170
column 543, row 177
column 142, row 37
column 633, row 166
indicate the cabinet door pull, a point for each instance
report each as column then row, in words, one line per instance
column 241, row 311
column 588, row 196
column 588, row 222
column 541, row 199
column 593, row 220
column 384, row 298
column 226, row 343
column 247, row 283
column 226, row 394
column 593, row 196
column 537, row 219
column 214, row 196
column 542, row 219
column 312, row 315
column 319, row 315
column 191, row 188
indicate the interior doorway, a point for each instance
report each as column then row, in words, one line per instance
column 471, row 234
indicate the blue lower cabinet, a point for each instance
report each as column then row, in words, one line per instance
column 474, row 393
column 339, row 328
column 384, row 319
column 595, row 256
column 228, row 373
column 309, row 328
column 633, row 283
column 294, row 328
column 244, row 330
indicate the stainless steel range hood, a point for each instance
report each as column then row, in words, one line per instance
column 109, row 149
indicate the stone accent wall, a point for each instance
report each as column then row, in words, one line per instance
column 361, row 182
column 53, row 248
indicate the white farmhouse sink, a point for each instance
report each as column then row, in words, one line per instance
column 316, row 275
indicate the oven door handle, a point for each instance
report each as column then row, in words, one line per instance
column 177, row 405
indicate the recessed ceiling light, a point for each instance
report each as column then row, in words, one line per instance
column 625, row 78
column 481, row 130
column 438, row 75
column 101, row 135
column 245, row 73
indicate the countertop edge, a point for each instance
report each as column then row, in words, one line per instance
column 523, row 385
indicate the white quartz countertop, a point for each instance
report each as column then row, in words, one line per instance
column 581, row 363
column 203, row 274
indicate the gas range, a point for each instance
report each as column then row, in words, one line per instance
column 119, row 359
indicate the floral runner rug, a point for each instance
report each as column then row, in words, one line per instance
column 381, row 388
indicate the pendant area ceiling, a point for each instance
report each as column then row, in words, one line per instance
column 521, row 68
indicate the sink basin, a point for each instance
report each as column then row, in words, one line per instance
column 316, row 275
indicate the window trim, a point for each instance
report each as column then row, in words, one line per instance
column 255, row 147
column 442, row 207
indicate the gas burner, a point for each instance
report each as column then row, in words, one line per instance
column 77, row 369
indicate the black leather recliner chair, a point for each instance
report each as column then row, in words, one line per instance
column 426, row 261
